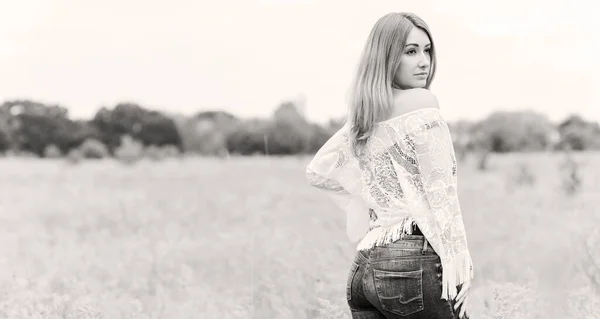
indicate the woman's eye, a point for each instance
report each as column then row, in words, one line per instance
column 410, row 51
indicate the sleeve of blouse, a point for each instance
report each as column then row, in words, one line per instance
column 330, row 172
column 437, row 166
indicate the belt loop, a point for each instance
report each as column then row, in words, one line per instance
column 424, row 245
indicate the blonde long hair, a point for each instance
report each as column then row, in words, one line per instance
column 371, row 97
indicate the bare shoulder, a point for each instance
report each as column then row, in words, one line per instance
column 413, row 99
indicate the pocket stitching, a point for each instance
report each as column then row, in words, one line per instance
column 418, row 298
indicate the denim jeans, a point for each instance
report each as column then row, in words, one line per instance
column 400, row 280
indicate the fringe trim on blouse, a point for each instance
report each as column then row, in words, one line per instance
column 455, row 271
column 383, row 235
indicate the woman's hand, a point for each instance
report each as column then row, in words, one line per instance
column 461, row 299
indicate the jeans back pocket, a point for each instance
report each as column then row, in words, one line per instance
column 400, row 292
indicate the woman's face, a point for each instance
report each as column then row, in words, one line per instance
column 415, row 61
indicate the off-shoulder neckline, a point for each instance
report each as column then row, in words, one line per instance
column 407, row 113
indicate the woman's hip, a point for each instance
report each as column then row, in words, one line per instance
column 401, row 278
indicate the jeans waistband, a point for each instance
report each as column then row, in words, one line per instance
column 408, row 242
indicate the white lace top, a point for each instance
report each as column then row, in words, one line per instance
column 408, row 175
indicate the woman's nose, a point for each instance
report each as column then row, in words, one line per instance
column 423, row 62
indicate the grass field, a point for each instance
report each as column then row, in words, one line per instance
column 247, row 238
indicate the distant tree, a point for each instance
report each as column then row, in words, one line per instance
column 504, row 131
column 36, row 132
column 249, row 137
column 577, row 134
column 147, row 126
column 207, row 132
column 72, row 134
column 290, row 132
column 29, row 126
column 285, row 138
column 4, row 142
column 5, row 130
column 287, row 132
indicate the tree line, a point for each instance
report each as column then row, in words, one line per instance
column 43, row 130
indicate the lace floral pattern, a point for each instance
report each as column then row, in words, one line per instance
column 409, row 173
column 325, row 183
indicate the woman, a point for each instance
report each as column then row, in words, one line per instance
column 392, row 168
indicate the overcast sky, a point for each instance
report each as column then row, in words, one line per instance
column 247, row 56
